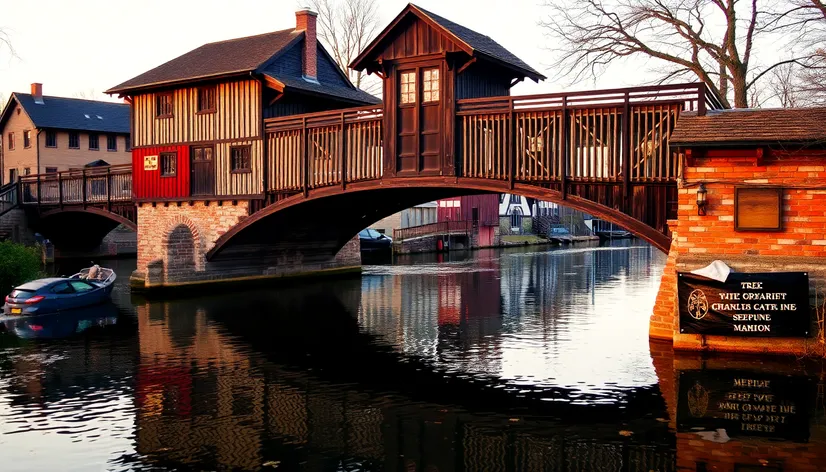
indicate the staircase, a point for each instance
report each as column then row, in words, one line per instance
column 8, row 201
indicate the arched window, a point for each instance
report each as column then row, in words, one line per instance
column 516, row 218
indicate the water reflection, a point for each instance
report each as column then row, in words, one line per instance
column 512, row 360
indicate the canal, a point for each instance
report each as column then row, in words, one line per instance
column 519, row 359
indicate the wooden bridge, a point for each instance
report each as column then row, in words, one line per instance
column 604, row 152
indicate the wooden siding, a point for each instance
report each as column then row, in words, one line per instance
column 417, row 38
column 19, row 158
column 237, row 116
column 150, row 184
column 65, row 158
column 249, row 183
column 481, row 80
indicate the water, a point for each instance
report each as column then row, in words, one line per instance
column 521, row 359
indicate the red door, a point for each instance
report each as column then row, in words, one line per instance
column 419, row 121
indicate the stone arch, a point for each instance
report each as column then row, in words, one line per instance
column 182, row 246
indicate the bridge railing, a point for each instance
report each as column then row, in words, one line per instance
column 618, row 135
column 323, row 149
column 93, row 185
column 8, row 197
column 441, row 227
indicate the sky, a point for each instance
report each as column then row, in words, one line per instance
column 84, row 46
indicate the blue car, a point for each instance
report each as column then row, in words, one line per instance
column 58, row 293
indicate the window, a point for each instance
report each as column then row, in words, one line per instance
column 81, row 286
column 516, row 219
column 408, row 88
column 74, row 140
column 163, row 105
column 11, row 141
column 51, row 170
column 27, row 171
column 27, row 139
column 128, row 140
column 111, row 142
column 62, row 289
column 94, row 142
column 240, row 157
column 51, row 139
column 12, row 175
column 169, row 164
column 431, row 85
column 206, row 100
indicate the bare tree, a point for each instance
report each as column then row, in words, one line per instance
column 713, row 40
column 784, row 86
column 347, row 27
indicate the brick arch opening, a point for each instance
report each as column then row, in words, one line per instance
column 182, row 247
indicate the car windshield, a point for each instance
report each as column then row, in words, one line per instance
column 374, row 234
column 21, row 294
column 81, row 286
column 364, row 234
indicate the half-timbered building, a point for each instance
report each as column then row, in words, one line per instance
column 198, row 119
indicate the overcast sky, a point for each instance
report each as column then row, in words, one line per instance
column 83, row 45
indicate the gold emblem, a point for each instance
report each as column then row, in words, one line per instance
column 697, row 305
column 697, row 400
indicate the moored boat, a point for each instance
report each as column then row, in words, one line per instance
column 88, row 287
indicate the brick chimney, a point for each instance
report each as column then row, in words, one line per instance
column 305, row 21
column 37, row 93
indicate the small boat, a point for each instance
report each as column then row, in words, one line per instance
column 88, row 287
column 613, row 234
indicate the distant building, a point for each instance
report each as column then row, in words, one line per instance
column 480, row 210
column 45, row 134
column 418, row 215
column 514, row 214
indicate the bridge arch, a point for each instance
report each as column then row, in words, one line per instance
column 360, row 204
column 78, row 227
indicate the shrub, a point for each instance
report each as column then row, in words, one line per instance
column 18, row 264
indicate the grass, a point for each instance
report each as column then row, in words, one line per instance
column 523, row 239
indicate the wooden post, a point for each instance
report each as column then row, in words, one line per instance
column 626, row 154
column 38, row 191
column 109, row 188
column 305, row 162
column 83, row 190
column 566, row 149
column 60, row 190
column 511, row 143
column 701, row 99
column 341, row 148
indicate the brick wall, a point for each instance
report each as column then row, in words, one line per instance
column 698, row 240
column 173, row 240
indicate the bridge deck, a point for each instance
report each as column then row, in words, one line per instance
column 609, row 147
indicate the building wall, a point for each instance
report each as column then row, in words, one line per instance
column 236, row 122
column 173, row 240
column 387, row 225
column 699, row 240
column 65, row 158
column 20, row 157
column 237, row 116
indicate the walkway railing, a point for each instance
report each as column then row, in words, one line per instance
column 324, row 149
column 619, row 135
column 92, row 185
column 8, row 197
column 442, row 227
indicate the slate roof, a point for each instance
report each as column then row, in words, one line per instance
column 263, row 54
column 483, row 44
column 233, row 56
column 479, row 44
column 71, row 113
column 750, row 127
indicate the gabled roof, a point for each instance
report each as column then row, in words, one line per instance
column 475, row 44
column 739, row 127
column 261, row 54
column 71, row 113
column 213, row 60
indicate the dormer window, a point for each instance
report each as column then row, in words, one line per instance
column 163, row 105
column 206, row 99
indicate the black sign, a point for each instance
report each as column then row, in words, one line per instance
column 745, row 404
column 756, row 304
